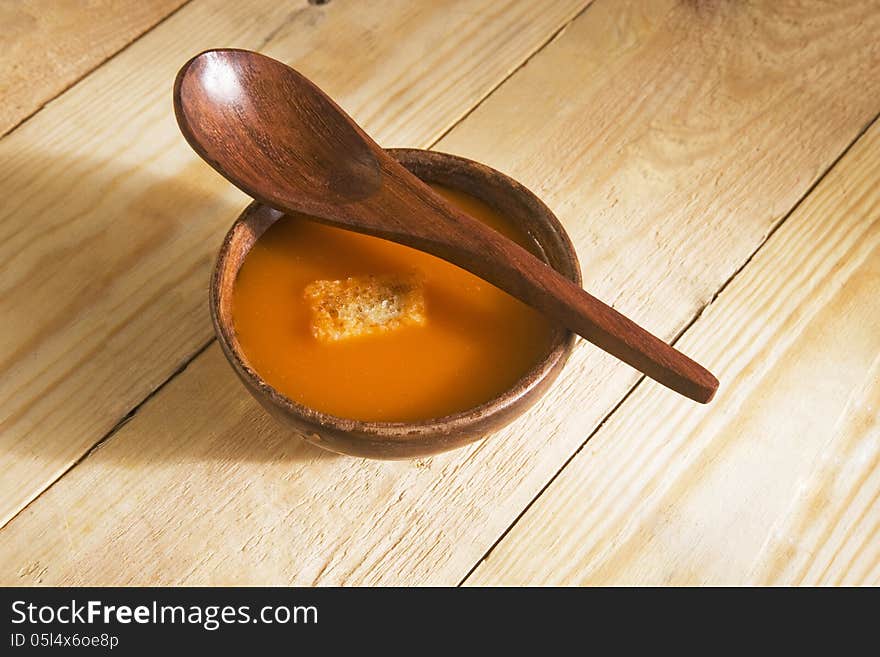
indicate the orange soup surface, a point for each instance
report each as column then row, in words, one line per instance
column 475, row 342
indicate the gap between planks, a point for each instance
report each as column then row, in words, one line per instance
column 129, row 415
column 550, row 39
column 87, row 72
column 674, row 341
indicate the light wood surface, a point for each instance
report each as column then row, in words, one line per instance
column 778, row 482
column 111, row 222
column 670, row 138
column 47, row 46
column 828, row 535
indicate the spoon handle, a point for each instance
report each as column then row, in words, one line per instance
column 578, row 310
column 488, row 254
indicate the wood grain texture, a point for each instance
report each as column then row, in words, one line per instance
column 779, row 483
column 828, row 535
column 47, row 46
column 667, row 148
column 110, row 223
column 280, row 139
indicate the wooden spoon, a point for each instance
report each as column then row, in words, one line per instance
column 280, row 139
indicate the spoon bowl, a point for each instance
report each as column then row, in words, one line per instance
column 231, row 98
column 398, row 440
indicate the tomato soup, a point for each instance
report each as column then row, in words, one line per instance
column 469, row 342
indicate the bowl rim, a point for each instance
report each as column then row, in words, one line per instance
column 412, row 431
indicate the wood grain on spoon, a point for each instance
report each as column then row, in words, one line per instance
column 279, row 138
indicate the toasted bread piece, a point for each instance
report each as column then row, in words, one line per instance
column 365, row 305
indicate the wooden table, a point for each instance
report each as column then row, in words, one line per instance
column 717, row 165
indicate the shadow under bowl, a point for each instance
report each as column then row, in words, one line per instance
column 400, row 440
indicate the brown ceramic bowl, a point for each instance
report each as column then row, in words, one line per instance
column 398, row 440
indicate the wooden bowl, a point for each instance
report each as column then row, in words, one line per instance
column 398, row 440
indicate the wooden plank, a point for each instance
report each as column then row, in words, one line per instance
column 828, row 536
column 111, row 222
column 783, row 465
column 47, row 46
column 668, row 150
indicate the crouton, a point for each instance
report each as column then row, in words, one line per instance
column 365, row 305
